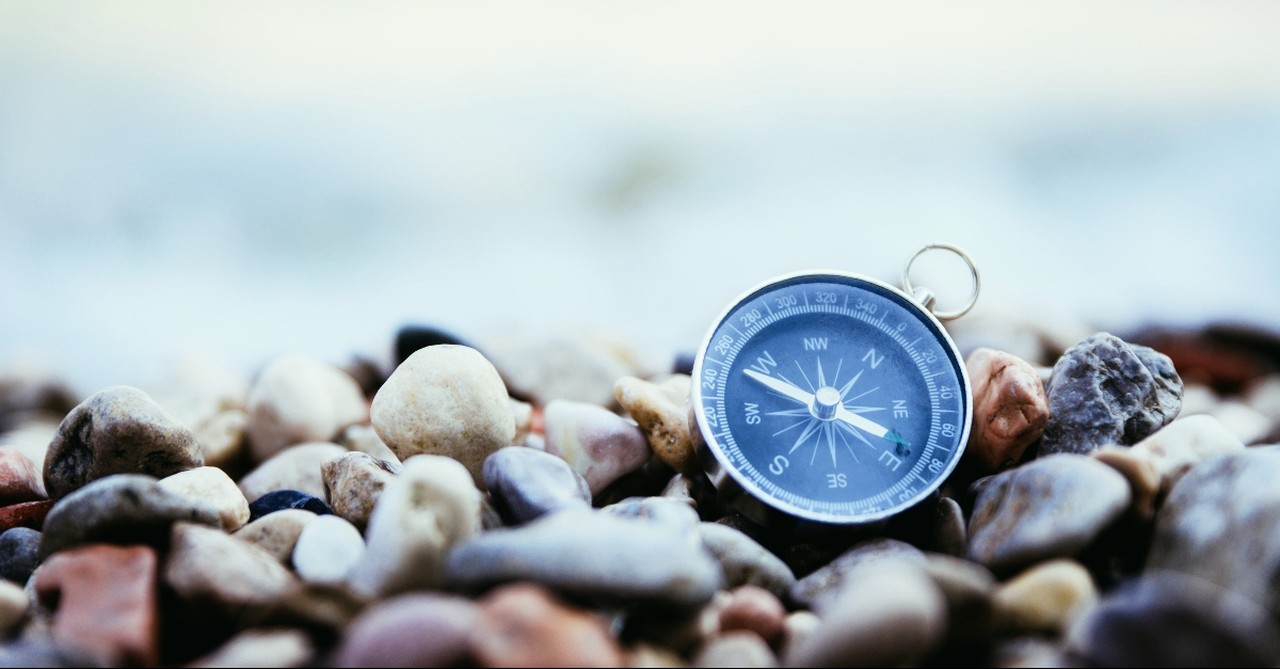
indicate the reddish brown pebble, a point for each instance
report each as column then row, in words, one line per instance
column 26, row 514
column 523, row 625
column 1010, row 409
column 19, row 480
column 413, row 630
column 106, row 602
column 754, row 609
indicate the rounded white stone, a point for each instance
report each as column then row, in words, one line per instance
column 327, row 549
column 213, row 486
column 298, row 399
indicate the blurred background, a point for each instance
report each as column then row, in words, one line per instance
column 249, row 179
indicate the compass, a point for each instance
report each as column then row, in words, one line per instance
column 832, row 397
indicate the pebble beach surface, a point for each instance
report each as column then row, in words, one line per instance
column 538, row 502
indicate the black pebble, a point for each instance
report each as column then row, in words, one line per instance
column 19, row 554
column 279, row 500
column 410, row 338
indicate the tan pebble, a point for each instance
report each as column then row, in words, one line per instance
column 1045, row 598
column 277, row 532
column 298, row 399
column 650, row 656
column 796, row 630
column 522, row 414
column 222, row 437
column 260, row 647
column 735, row 649
column 353, row 482
column 1248, row 425
column 754, row 609
column 1010, row 408
column 13, row 606
column 664, row 422
column 296, row 467
column 1140, row 469
column 213, row 486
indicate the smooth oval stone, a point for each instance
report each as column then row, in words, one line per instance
column 212, row 486
column 522, row 625
column 755, row 610
column 327, row 549
column 672, row 513
column 968, row 588
column 1105, row 391
column 1051, row 507
column 20, row 481
column 353, row 482
column 25, row 514
column 887, row 613
column 1165, row 619
column 592, row 555
column 210, row 569
column 120, row 509
column 297, row 399
column 445, row 400
column 19, row 554
column 119, row 430
column 295, row 468
column 14, row 604
column 222, row 438
column 525, row 484
column 1045, row 598
column 598, row 444
column 260, row 648
column 559, row 367
column 1221, row 522
column 735, row 649
column 412, row 630
column 817, row 589
column 277, row 532
column 1010, row 409
column 662, row 412
column 744, row 561
column 281, row 500
column 422, row 514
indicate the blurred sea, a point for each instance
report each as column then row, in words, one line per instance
column 247, row 180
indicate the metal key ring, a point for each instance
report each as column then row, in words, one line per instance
column 973, row 271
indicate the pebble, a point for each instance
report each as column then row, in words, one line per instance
column 222, row 438
column 557, row 368
column 526, row 484
column 277, row 533
column 294, row 468
column 754, row 609
column 445, row 400
column 261, row 647
column 212, row 486
column 14, row 604
column 297, row 399
column 353, row 482
column 668, row 512
column 365, row 439
column 327, row 549
column 662, row 417
column 1156, row 463
column 817, row 589
column 31, row 438
column 215, row 572
column 1010, row 409
column 1045, row 598
column 284, row 500
column 598, row 444
column 25, row 514
column 119, row 430
column 412, row 630
column 198, row 387
column 744, row 561
column 593, row 556
column 1050, row 507
column 887, row 613
column 1221, row 522
column 412, row 338
column 1106, row 391
column 422, row 514
column 120, row 509
column 735, row 649
column 92, row 585
column 523, row 625
column 968, row 589
column 798, row 628
column 19, row 554
column 1248, row 425
column 20, row 481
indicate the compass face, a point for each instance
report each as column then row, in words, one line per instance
column 831, row 397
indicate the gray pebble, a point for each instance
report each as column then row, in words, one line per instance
column 526, row 483
column 673, row 513
column 1051, row 507
column 207, row 567
column 120, row 430
column 744, row 561
column 19, row 554
column 816, row 590
column 593, row 555
column 1105, row 391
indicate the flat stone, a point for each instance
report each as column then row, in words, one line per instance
column 213, row 571
column 353, row 482
column 294, row 468
column 283, row 500
column 422, row 514
column 525, row 484
column 120, row 509
column 1051, row 507
column 258, row 647
column 662, row 412
column 522, row 625
column 14, row 604
column 212, row 486
column 20, row 480
column 592, row 555
column 411, row 630
column 119, row 430
column 756, row 610
column 598, row 444
column 817, row 589
column 1046, row 598
column 1010, row 409
column 1106, row 391
column 744, row 561
column 445, row 400
column 25, row 514
column 327, row 549
column 277, row 533
column 106, row 602
column 735, row 649
column 19, row 554
column 297, row 399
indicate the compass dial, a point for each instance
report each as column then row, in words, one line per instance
column 831, row 397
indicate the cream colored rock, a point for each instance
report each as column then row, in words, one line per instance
column 261, row 647
column 1264, row 396
column 277, row 532
column 1010, row 408
column 445, row 400
column 197, row 388
column 295, row 468
column 327, row 549
column 365, row 439
column 1046, row 598
column 662, row 412
column 735, row 649
column 13, row 606
column 298, row 399
column 522, row 413
column 598, row 444
column 1249, row 425
column 222, row 437
column 427, row 509
column 32, row 437
column 574, row 368
column 353, row 482
column 212, row 486
column 209, row 565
